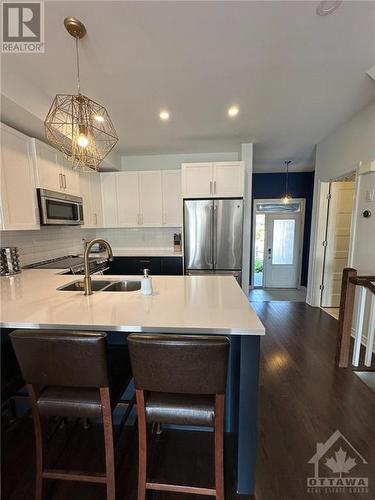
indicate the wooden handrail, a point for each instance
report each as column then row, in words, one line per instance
column 345, row 317
column 367, row 281
column 350, row 280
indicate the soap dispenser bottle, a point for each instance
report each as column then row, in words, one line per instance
column 146, row 284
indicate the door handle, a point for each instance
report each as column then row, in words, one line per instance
column 64, row 180
column 214, row 187
column 60, row 181
column 210, row 187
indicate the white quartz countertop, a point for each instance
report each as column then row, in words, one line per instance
column 141, row 252
column 179, row 304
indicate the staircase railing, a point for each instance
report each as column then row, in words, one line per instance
column 364, row 327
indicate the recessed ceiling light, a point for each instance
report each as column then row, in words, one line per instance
column 233, row 111
column 164, row 115
column 327, row 7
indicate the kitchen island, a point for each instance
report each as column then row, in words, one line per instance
column 179, row 304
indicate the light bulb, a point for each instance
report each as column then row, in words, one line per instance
column 164, row 115
column 286, row 199
column 99, row 118
column 233, row 111
column 82, row 140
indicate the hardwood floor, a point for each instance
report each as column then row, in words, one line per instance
column 303, row 399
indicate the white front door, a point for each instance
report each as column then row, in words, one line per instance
column 282, row 250
column 338, row 239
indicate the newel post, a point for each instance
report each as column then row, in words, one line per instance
column 345, row 318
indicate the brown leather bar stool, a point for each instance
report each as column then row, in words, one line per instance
column 180, row 380
column 68, row 374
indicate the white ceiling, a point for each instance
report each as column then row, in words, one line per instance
column 294, row 75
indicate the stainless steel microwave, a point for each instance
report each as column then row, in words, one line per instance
column 59, row 208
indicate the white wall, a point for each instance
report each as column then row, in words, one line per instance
column 171, row 162
column 247, row 157
column 338, row 154
column 364, row 243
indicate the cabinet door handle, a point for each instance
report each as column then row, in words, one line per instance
column 214, row 187
column 64, row 180
column 141, row 219
column 96, row 219
column 60, row 181
column 210, row 187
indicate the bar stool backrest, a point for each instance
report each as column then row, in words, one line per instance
column 179, row 364
column 61, row 358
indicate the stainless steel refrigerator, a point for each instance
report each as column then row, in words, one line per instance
column 213, row 236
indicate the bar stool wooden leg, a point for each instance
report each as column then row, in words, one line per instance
column 38, row 430
column 108, row 443
column 142, row 445
column 219, row 446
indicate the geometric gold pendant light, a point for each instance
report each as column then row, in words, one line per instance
column 76, row 125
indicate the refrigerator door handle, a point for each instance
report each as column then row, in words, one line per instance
column 211, row 262
column 214, row 232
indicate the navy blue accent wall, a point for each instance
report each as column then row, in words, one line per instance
column 301, row 185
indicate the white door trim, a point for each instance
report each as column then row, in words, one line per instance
column 277, row 200
column 318, row 228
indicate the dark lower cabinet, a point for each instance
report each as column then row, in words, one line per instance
column 136, row 265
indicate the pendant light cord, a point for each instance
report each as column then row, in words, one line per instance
column 77, row 59
column 287, row 163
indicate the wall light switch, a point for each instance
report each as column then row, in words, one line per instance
column 370, row 195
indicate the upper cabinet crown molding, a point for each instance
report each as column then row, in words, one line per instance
column 213, row 179
column 19, row 206
column 53, row 171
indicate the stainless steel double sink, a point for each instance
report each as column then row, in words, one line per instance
column 103, row 286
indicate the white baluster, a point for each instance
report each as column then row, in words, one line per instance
column 370, row 333
column 359, row 325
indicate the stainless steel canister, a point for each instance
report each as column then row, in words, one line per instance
column 9, row 261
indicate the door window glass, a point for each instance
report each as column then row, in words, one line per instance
column 283, row 241
column 272, row 207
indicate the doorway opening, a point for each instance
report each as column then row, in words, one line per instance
column 277, row 243
column 337, row 240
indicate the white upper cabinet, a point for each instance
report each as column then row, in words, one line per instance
column 213, row 180
column 70, row 176
column 197, row 180
column 19, row 207
column 96, row 199
column 172, row 198
column 142, row 198
column 52, row 171
column 150, row 198
column 109, row 199
column 47, row 170
column 228, row 179
column 128, row 211
column 90, row 189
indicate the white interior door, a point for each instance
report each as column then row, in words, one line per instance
column 282, row 255
column 337, row 240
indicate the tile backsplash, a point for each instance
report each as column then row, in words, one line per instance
column 46, row 243
column 156, row 238
column 51, row 242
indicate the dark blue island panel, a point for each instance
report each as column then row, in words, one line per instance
column 156, row 265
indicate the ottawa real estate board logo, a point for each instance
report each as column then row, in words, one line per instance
column 22, row 27
column 338, row 468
